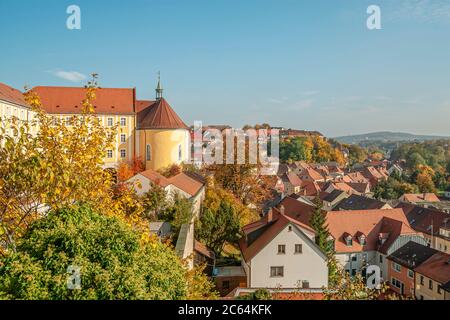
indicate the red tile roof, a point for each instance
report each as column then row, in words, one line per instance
column 371, row 223
column 273, row 226
column 426, row 220
column 437, row 267
column 156, row 178
column 12, row 95
column 67, row 100
column 158, row 115
column 186, row 183
column 420, row 197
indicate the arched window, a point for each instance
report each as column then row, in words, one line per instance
column 148, row 153
column 180, row 153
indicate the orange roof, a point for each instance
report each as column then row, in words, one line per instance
column 158, row 115
column 297, row 210
column 292, row 178
column 370, row 223
column 274, row 226
column 437, row 267
column 12, row 95
column 67, row 100
column 421, row 197
column 186, row 183
column 156, row 178
column 310, row 188
column 356, row 177
column 313, row 174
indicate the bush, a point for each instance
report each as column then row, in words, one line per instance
column 114, row 262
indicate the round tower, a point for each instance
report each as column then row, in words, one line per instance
column 162, row 137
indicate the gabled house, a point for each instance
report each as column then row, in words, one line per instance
column 402, row 264
column 355, row 202
column 367, row 237
column 188, row 185
column 330, row 200
column 291, row 183
column 309, row 174
column 279, row 252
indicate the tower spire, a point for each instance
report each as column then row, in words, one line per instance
column 159, row 90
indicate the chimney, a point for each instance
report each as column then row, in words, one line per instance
column 282, row 209
column 269, row 215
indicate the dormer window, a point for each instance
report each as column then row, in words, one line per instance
column 362, row 240
column 348, row 240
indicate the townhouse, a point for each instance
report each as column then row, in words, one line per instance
column 433, row 278
column 402, row 264
column 356, row 202
column 360, row 237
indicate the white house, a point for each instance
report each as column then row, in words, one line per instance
column 279, row 252
column 189, row 185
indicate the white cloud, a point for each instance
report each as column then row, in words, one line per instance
column 72, row 76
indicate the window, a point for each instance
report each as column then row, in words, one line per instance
column 381, row 258
column 68, row 121
column 109, row 154
column 353, row 272
column 411, row 274
column 110, row 122
column 123, row 138
column 396, row 283
column 123, row 153
column 362, row 240
column 276, row 272
column 123, row 122
column 305, row 284
column 180, row 154
column 422, row 280
column 439, row 289
column 281, row 249
column 298, row 248
column 290, row 228
column 396, row 267
column 364, row 257
column 354, row 257
column 348, row 241
column 430, row 284
column 226, row 284
column 148, row 153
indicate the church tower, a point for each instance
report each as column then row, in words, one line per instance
column 162, row 137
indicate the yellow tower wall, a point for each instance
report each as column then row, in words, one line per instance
column 164, row 144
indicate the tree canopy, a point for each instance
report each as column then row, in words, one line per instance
column 113, row 261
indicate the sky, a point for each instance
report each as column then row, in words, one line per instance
column 304, row 64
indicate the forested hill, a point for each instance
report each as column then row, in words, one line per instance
column 386, row 136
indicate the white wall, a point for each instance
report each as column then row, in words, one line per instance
column 309, row 265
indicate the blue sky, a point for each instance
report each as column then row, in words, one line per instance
column 306, row 64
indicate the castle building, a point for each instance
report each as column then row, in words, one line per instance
column 148, row 130
column 13, row 104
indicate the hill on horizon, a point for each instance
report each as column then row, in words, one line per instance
column 386, row 136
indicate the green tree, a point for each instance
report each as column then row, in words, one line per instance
column 114, row 261
column 179, row 212
column 154, row 201
column 218, row 226
column 318, row 222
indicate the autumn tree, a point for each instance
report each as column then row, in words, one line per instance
column 57, row 167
